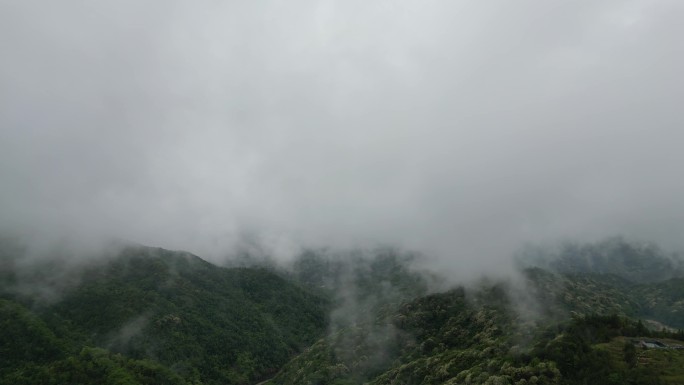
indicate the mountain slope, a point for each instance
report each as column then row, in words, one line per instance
column 588, row 293
column 486, row 334
column 153, row 316
column 637, row 262
column 208, row 324
column 446, row 338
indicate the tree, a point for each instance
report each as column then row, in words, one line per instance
column 630, row 354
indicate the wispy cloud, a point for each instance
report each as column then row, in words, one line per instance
column 457, row 128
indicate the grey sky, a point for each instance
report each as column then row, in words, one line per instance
column 458, row 128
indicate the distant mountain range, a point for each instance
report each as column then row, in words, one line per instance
column 152, row 316
column 636, row 262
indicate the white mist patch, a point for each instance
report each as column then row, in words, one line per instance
column 120, row 339
column 460, row 129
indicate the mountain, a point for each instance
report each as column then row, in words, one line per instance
column 635, row 261
column 154, row 310
column 662, row 301
column 436, row 339
column 480, row 335
column 143, row 315
column 560, row 295
column 561, row 326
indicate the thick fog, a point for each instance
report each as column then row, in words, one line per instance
column 460, row 129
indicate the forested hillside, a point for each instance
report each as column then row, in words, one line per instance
column 481, row 336
column 639, row 262
column 152, row 311
column 152, row 316
column 558, row 327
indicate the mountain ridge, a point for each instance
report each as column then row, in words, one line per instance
column 234, row 325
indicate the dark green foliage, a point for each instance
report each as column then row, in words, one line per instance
column 630, row 354
column 366, row 289
column 374, row 280
column 24, row 337
column 476, row 336
column 443, row 338
column 573, row 353
column 591, row 293
column 663, row 301
column 205, row 323
column 95, row 366
column 152, row 316
column 580, row 361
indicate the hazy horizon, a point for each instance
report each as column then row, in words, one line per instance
column 458, row 129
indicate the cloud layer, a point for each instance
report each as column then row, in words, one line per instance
column 460, row 129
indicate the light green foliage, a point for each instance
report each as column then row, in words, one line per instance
column 438, row 339
column 477, row 336
column 590, row 293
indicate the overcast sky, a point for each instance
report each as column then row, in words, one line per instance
column 457, row 128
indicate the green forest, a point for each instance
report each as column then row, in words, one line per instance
column 146, row 315
column 153, row 316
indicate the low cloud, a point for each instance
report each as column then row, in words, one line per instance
column 460, row 129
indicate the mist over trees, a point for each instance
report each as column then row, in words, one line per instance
column 145, row 315
column 398, row 192
column 430, row 126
